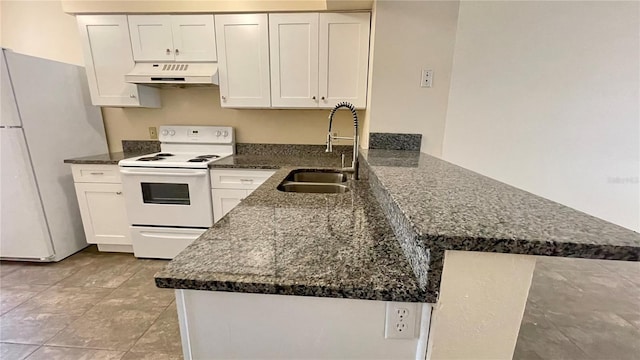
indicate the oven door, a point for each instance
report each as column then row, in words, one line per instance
column 167, row 197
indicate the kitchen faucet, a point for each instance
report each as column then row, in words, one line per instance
column 330, row 137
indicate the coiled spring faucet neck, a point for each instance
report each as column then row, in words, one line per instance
column 354, row 164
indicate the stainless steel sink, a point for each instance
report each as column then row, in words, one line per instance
column 317, row 176
column 318, row 188
column 315, row 181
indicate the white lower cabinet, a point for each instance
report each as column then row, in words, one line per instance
column 224, row 200
column 102, row 207
column 231, row 186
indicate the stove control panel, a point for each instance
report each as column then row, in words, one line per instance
column 196, row 134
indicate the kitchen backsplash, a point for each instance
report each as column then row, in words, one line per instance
column 140, row 146
column 395, row 141
column 290, row 149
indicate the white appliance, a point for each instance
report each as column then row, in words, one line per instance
column 168, row 194
column 173, row 74
column 47, row 117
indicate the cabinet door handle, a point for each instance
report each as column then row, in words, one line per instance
column 313, row 97
column 97, row 173
column 177, row 52
column 133, row 96
column 119, row 193
column 168, row 51
column 224, row 98
column 322, row 98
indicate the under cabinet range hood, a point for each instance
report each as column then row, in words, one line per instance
column 163, row 74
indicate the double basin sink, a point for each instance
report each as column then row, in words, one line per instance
column 315, row 181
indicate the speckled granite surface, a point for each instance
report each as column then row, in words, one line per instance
column 329, row 245
column 250, row 161
column 352, row 246
column 130, row 148
column 140, row 146
column 101, row 159
column 451, row 208
column 395, row 141
column 288, row 149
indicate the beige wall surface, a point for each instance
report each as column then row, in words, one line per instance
column 411, row 36
column 544, row 97
column 201, row 106
column 480, row 307
column 40, row 28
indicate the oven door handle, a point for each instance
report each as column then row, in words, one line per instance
column 167, row 236
column 149, row 173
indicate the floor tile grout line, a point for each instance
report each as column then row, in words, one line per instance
column 78, row 318
column 96, row 304
column 25, row 300
column 82, row 348
column 150, row 326
column 33, row 352
column 571, row 340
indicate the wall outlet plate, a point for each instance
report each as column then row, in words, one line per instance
column 401, row 320
column 153, row 133
column 426, row 80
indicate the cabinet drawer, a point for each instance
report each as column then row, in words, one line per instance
column 239, row 179
column 96, row 173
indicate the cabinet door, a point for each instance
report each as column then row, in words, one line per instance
column 151, row 38
column 194, row 38
column 293, row 45
column 224, row 200
column 344, row 58
column 243, row 60
column 107, row 58
column 103, row 213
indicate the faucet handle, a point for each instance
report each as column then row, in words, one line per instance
column 329, row 143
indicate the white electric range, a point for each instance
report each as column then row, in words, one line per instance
column 168, row 194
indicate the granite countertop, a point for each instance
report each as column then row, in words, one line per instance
column 386, row 238
column 447, row 207
column 329, row 245
column 130, row 148
column 101, row 159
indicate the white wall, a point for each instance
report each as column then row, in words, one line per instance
column 544, row 96
column 411, row 36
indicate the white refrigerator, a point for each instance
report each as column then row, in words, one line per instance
column 46, row 117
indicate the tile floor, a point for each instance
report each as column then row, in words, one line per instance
column 98, row 306
column 101, row 306
column 582, row 309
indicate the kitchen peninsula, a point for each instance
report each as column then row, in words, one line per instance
column 452, row 246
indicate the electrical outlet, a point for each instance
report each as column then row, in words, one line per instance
column 426, row 80
column 153, row 133
column 400, row 322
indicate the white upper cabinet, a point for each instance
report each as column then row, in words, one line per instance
column 243, row 60
column 151, row 38
column 173, row 37
column 108, row 57
column 194, row 37
column 344, row 58
column 293, row 45
column 318, row 60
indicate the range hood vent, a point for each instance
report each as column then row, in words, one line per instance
column 173, row 74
